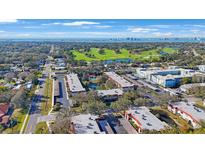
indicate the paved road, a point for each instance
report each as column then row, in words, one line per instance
column 46, row 118
column 64, row 99
column 35, row 110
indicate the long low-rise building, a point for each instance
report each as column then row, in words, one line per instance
column 187, row 87
column 188, row 111
column 144, row 119
column 120, row 81
column 111, row 94
column 170, row 77
column 56, row 90
column 74, row 84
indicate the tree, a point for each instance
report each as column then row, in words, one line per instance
column 95, row 107
column 185, row 80
column 140, row 101
column 3, row 89
column 110, row 84
column 101, row 51
column 20, row 99
column 122, row 104
column 63, row 124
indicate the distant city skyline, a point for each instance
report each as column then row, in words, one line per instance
column 94, row 28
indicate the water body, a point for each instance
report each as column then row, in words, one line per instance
column 92, row 86
column 124, row 60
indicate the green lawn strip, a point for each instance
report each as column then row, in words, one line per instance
column 19, row 115
column 183, row 124
column 47, row 100
column 41, row 128
column 26, row 123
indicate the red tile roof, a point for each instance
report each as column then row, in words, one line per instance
column 5, row 119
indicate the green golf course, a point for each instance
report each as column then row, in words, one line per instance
column 95, row 55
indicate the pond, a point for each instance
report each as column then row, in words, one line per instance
column 92, row 86
column 123, row 60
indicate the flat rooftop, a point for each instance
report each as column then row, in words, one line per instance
column 74, row 83
column 146, row 118
column 120, row 80
column 56, row 88
column 109, row 92
column 86, row 124
column 197, row 113
column 188, row 86
column 158, row 70
column 178, row 76
column 127, row 126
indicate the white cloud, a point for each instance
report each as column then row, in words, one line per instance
column 141, row 30
column 32, row 27
column 24, row 35
column 75, row 23
column 50, row 24
column 8, row 20
column 159, row 34
column 80, row 23
column 198, row 26
column 1, row 31
column 194, row 30
column 162, row 26
column 55, row 33
column 103, row 26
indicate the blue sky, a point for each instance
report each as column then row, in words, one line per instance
column 83, row 28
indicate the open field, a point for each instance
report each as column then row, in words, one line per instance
column 47, row 101
column 95, row 55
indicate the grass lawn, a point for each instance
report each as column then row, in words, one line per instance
column 47, row 101
column 42, row 128
column 169, row 50
column 78, row 109
column 2, row 80
column 182, row 124
column 20, row 115
column 152, row 55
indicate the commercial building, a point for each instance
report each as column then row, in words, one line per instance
column 74, row 85
column 110, row 95
column 188, row 112
column 120, row 81
column 144, row 119
column 170, row 77
column 86, row 124
column 115, row 124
